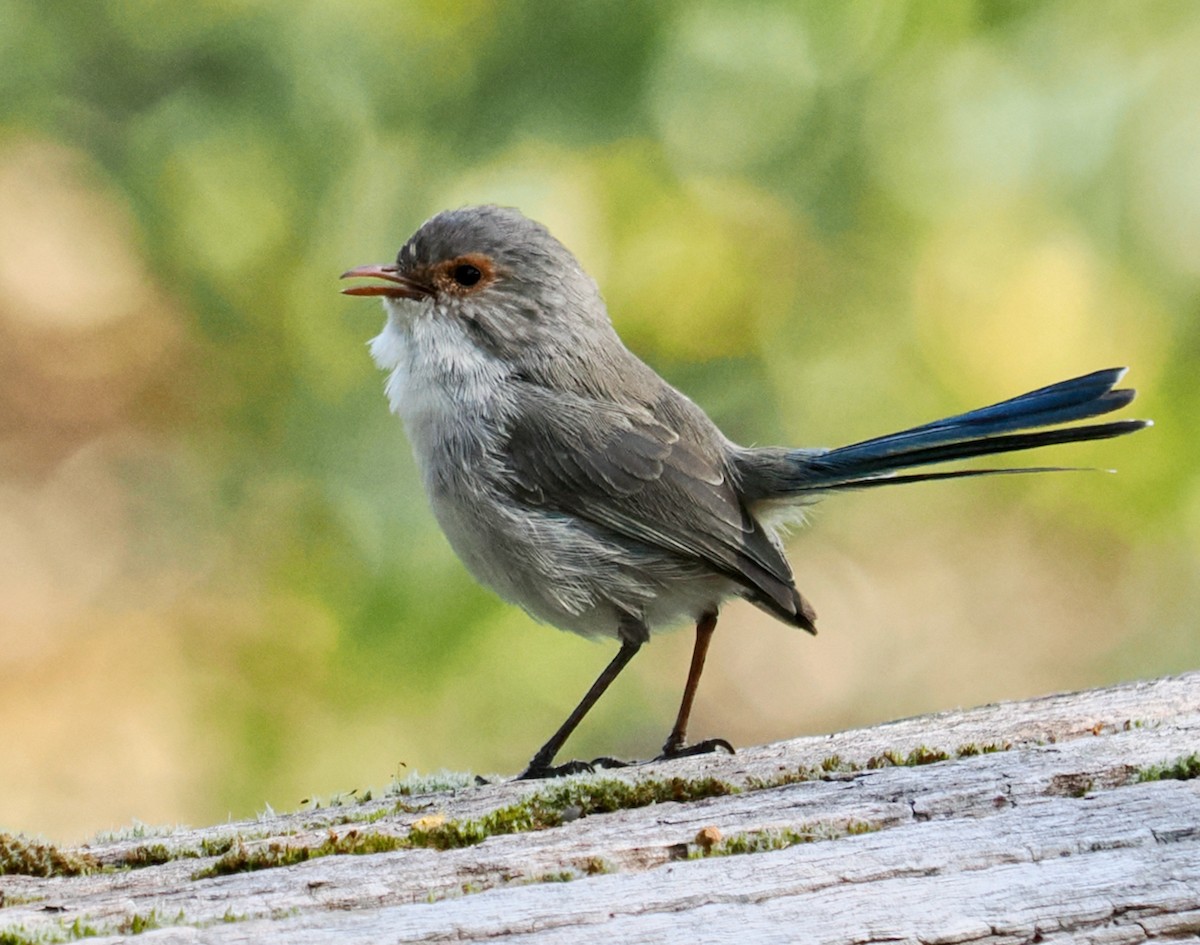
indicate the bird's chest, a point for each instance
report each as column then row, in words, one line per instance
column 449, row 394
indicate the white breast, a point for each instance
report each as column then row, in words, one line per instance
column 451, row 395
column 442, row 385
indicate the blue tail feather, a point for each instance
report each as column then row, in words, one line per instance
column 984, row 431
column 1064, row 402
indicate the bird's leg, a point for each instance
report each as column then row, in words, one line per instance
column 676, row 745
column 540, row 766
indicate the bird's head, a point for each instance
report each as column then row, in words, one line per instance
column 491, row 267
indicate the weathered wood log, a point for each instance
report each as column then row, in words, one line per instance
column 1067, row 818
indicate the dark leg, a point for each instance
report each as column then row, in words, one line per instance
column 540, row 766
column 676, row 741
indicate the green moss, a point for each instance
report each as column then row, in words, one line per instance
column 344, row 799
column 80, row 929
column 596, row 866
column 563, row 876
column 147, row 855
column 1183, row 768
column 822, row 771
column 554, row 806
column 454, row 834
column 970, row 749
column 241, row 859
column 138, row 923
column 55, row 935
column 19, row 856
column 134, row 924
column 217, row 847
column 546, row 808
column 440, row 783
column 764, row 841
column 378, row 814
column 835, row 764
column 155, row 854
column 921, row 755
column 136, row 831
column 8, row 899
column 755, row 841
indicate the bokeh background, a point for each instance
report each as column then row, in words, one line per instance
column 220, row 586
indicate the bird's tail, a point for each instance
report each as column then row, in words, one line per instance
column 998, row 428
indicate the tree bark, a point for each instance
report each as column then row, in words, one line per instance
column 1066, row 818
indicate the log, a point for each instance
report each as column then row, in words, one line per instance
column 1072, row 817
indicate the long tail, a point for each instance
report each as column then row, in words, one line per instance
column 982, row 432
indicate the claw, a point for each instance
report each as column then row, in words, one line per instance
column 537, row 773
column 706, row 747
column 606, row 762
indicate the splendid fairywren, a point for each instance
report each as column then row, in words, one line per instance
column 577, row 483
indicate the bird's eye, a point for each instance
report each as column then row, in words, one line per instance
column 466, row 275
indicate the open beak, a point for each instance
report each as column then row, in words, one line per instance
column 398, row 287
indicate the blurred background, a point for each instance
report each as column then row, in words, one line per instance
column 220, row 584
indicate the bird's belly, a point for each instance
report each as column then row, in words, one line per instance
column 571, row 574
column 560, row 569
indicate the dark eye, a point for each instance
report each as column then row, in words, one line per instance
column 466, row 275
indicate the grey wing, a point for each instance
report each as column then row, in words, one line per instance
column 642, row 477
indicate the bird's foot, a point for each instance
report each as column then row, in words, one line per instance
column 606, row 762
column 706, row 747
column 537, row 772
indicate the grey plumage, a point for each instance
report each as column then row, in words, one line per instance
column 625, row 485
column 578, row 484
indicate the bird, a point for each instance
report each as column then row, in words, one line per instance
column 575, row 482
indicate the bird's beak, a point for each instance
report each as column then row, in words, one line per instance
column 401, row 287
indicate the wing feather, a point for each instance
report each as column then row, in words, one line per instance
column 634, row 472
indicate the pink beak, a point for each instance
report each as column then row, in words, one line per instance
column 401, row 287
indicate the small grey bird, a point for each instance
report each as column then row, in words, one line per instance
column 575, row 482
